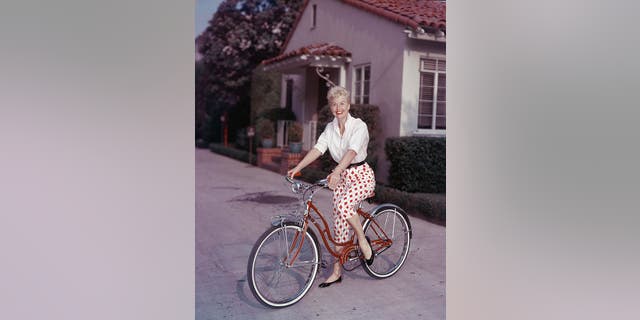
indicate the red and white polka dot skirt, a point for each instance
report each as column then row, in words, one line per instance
column 357, row 184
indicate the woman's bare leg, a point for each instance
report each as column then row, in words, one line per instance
column 337, row 268
column 362, row 241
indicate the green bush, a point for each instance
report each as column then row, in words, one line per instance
column 428, row 205
column 264, row 129
column 418, row 164
column 295, row 132
column 370, row 114
column 201, row 144
column 237, row 154
column 265, row 91
column 277, row 113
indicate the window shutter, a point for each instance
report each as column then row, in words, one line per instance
column 428, row 64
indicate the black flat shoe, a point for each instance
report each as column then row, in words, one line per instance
column 326, row 284
column 370, row 260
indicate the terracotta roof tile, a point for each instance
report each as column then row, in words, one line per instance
column 415, row 13
column 322, row 49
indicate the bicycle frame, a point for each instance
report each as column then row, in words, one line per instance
column 290, row 249
column 379, row 244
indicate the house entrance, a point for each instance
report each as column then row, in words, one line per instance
column 322, row 93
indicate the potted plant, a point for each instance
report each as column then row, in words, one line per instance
column 264, row 129
column 295, row 137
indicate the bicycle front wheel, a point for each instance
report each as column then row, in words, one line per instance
column 274, row 280
column 390, row 232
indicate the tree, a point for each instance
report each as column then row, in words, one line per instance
column 241, row 34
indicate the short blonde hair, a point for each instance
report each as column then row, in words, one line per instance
column 336, row 92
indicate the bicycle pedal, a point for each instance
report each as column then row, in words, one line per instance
column 323, row 264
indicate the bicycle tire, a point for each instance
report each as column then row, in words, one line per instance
column 272, row 283
column 396, row 225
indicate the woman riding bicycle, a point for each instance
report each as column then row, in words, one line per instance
column 352, row 180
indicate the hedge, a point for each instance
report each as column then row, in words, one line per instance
column 427, row 205
column 418, row 164
column 265, row 92
column 234, row 153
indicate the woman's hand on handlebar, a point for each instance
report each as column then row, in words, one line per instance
column 293, row 172
column 333, row 178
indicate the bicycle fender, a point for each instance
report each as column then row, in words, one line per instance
column 281, row 220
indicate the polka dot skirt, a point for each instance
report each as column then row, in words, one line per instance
column 356, row 184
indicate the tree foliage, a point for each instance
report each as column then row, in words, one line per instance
column 241, row 34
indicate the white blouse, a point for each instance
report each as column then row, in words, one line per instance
column 356, row 138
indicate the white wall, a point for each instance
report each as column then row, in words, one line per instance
column 415, row 50
column 370, row 39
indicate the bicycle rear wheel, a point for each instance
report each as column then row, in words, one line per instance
column 272, row 280
column 390, row 232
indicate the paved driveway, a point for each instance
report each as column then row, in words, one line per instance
column 234, row 203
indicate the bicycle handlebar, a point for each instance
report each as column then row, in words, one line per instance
column 289, row 179
column 321, row 183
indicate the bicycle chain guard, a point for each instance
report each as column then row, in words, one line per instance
column 351, row 260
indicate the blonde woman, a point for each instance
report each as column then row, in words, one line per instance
column 352, row 180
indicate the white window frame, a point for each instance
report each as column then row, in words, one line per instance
column 433, row 131
column 359, row 69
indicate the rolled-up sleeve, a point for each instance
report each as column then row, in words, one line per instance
column 323, row 141
column 360, row 138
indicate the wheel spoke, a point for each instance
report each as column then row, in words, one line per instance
column 392, row 251
column 274, row 283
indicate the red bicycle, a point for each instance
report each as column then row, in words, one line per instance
column 284, row 261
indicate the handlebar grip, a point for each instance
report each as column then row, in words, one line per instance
column 291, row 180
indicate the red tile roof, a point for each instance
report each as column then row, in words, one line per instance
column 414, row 13
column 322, row 49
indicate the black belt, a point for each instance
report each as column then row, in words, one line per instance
column 353, row 164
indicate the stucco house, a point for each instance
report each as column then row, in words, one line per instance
column 389, row 53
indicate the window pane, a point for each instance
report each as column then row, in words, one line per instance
column 366, row 88
column 358, row 74
column 426, row 93
column 424, row 122
column 428, row 64
column 441, row 123
column 425, row 108
column 427, row 79
column 442, row 80
column 442, row 94
column 367, row 72
column 358, row 90
column 365, row 100
column 442, row 65
column 441, row 108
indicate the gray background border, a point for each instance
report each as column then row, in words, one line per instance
column 97, row 165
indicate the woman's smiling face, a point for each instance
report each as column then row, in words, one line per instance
column 339, row 107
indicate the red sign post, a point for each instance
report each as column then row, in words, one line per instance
column 225, row 131
column 250, row 133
